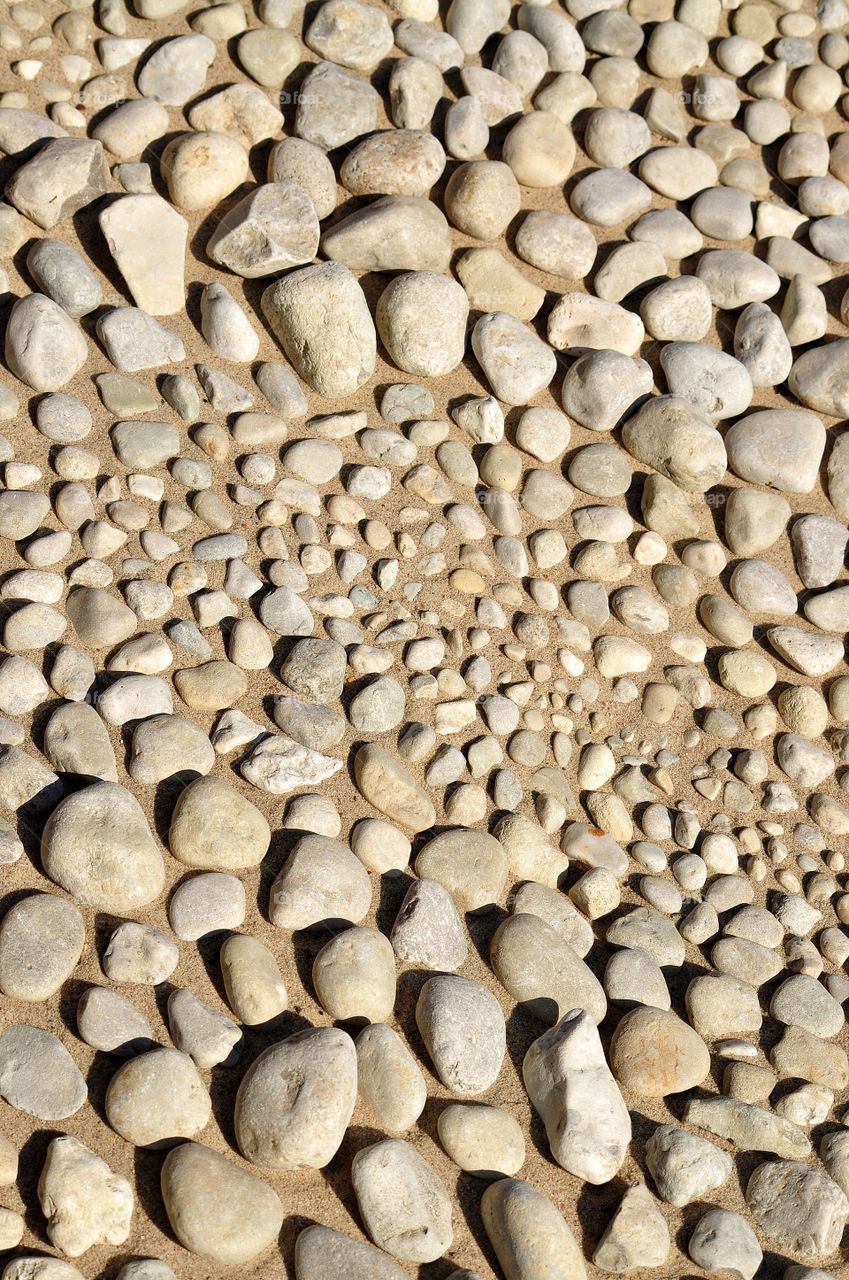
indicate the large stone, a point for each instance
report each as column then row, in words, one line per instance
column 321, row 317
column 540, row 970
column 654, row 1053
column 782, row 448
column 530, row 1236
column 155, row 277
column 569, row 1082
column 44, row 348
column 667, row 433
column 217, row 1210
column 215, row 828
column 402, row 1201
column 392, row 789
column 273, row 228
column 296, row 1099
column 98, row 847
column 800, row 1208
column 84, row 1202
column 38, row 1075
column 62, row 177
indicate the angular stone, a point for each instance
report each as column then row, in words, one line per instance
column 64, row 176
column 131, row 227
column 271, row 229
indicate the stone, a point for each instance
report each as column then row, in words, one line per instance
column 724, row 1241
column 484, row 1141
column 273, row 228
column 354, row 976
column 391, row 788
column 405, row 321
column 516, row 363
column 156, row 283
column 447, row 1006
column 38, row 1075
column 44, row 348
column 64, row 176
column 63, row 275
column 217, row 1210
column 84, row 1202
column 684, row 1167
column 800, row 1208
column 157, row 1097
column 674, row 438
column 98, row 847
column 301, row 1125
column 333, row 360
column 428, row 931
column 206, row 903
column 389, row 1080
column 654, row 1053
column 402, row 1201
column 139, row 953
column 395, row 233
column 748, row 1127
column 41, row 941
column 108, row 1021
column 320, row 880
column 202, row 168
column 637, row 1236
column 322, row 1252
column 470, row 865
column 779, row 447
column 528, row 1233
column 569, row 1083
column 214, row 828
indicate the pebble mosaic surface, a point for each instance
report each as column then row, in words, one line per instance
column 424, row 712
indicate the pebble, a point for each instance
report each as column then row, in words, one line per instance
column 84, row 1202
column 446, row 1008
column 216, row 1209
column 402, row 1201
column 156, row 1097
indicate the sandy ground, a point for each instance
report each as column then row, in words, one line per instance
column 323, row 1196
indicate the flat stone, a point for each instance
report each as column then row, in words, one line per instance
column 38, row 1075
column 129, row 225
column 156, row 1098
